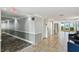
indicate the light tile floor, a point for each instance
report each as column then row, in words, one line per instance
column 50, row 44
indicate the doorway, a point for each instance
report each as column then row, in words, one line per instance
column 56, row 29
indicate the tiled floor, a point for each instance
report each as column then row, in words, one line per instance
column 12, row 44
column 50, row 44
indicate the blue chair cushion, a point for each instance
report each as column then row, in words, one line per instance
column 73, row 47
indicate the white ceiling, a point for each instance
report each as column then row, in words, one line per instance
column 50, row 12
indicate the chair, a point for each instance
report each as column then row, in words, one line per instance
column 73, row 47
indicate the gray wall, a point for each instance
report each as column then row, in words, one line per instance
column 33, row 29
column 11, row 25
column 38, row 25
column 8, row 25
column 22, row 25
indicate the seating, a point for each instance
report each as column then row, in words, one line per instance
column 73, row 47
column 74, row 37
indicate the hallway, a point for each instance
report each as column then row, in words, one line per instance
column 39, row 29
